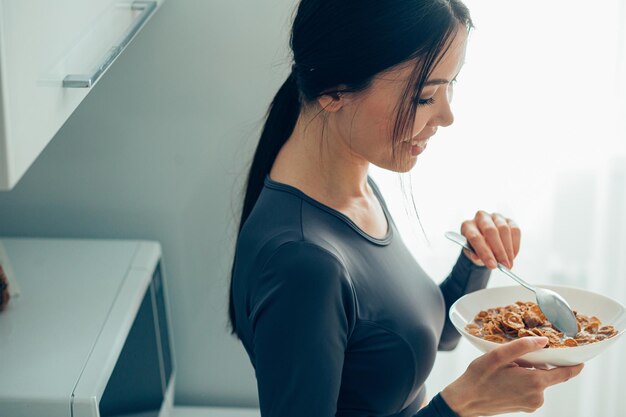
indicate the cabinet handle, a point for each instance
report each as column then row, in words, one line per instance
column 87, row 80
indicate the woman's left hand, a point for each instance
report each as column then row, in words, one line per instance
column 494, row 237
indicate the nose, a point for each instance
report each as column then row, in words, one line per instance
column 444, row 116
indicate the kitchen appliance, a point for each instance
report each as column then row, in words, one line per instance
column 89, row 335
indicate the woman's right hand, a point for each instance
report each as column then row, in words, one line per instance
column 494, row 383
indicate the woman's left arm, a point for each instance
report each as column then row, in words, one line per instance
column 495, row 238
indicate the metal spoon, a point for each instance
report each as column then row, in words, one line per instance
column 553, row 306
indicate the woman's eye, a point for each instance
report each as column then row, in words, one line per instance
column 424, row 101
column 431, row 100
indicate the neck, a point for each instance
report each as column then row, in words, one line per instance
column 319, row 159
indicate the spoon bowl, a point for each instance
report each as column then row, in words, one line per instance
column 552, row 305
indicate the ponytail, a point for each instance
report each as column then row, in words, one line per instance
column 281, row 118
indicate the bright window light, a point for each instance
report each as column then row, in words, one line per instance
column 539, row 136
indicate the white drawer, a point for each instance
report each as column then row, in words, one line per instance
column 41, row 43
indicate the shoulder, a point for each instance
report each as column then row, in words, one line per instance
column 302, row 268
column 299, row 259
column 301, row 277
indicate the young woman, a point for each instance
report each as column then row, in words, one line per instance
column 337, row 317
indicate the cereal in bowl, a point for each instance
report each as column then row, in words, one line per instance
column 525, row 318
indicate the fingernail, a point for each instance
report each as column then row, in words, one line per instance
column 492, row 264
column 541, row 340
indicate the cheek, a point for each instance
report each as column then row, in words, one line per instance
column 372, row 123
column 378, row 120
column 421, row 120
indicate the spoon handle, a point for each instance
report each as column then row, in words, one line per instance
column 461, row 240
column 515, row 277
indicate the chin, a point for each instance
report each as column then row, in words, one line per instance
column 400, row 167
column 408, row 167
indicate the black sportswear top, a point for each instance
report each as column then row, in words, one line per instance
column 337, row 322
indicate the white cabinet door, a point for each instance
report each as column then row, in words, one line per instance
column 51, row 55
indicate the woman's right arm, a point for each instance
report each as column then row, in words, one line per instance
column 302, row 314
column 495, row 384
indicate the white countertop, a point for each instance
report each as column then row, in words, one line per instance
column 186, row 411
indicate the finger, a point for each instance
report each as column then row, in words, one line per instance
column 516, row 235
column 492, row 236
column 511, row 351
column 523, row 363
column 478, row 243
column 505, row 236
column 526, row 364
column 562, row 373
column 473, row 257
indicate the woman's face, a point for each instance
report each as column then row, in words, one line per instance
column 364, row 122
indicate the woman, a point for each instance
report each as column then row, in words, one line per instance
column 335, row 314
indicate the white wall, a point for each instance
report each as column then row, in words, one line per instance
column 155, row 151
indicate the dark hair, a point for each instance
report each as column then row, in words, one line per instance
column 347, row 43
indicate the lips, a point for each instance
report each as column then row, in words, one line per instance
column 419, row 141
column 417, row 149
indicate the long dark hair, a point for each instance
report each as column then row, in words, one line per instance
column 347, row 43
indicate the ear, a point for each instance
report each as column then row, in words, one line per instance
column 332, row 102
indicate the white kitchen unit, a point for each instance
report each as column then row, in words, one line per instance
column 89, row 334
column 51, row 54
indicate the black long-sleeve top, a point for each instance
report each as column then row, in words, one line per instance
column 337, row 322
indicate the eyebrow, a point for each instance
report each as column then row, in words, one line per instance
column 437, row 81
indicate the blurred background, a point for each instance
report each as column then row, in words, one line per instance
column 159, row 150
column 539, row 136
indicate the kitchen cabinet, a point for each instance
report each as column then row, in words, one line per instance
column 90, row 333
column 52, row 53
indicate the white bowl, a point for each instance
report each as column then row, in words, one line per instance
column 609, row 311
